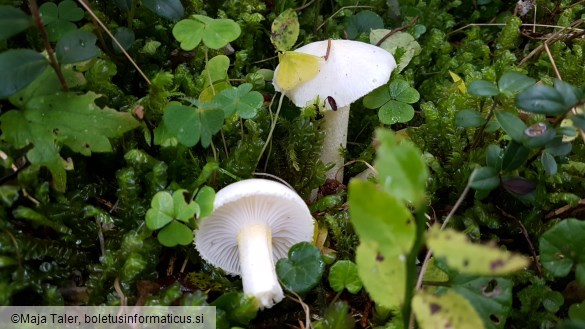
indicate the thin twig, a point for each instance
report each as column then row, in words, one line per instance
column 271, row 129
column 103, row 26
column 562, row 210
column 527, row 237
column 305, row 307
column 503, row 24
column 34, row 10
column 558, row 35
column 396, row 30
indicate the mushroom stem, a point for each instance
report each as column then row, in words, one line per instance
column 335, row 126
column 257, row 265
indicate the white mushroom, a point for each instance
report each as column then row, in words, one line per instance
column 351, row 70
column 254, row 223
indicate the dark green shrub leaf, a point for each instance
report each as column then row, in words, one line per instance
column 176, row 233
column 485, row 178
column 19, row 67
column 513, row 82
column 569, row 93
column 515, row 156
column 12, row 21
column 76, row 46
column 482, row 88
column 491, row 297
column 469, row 119
column 125, row 5
column 401, row 91
column 541, row 99
column 363, row 22
column 190, row 124
column 518, row 185
column 548, row 163
column 126, row 38
column 394, row 112
column 512, row 125
column 242, row 100
column 557, row 147
column 303, row 268
column 344, row 275
column 285, row 30
column 579, row 121
column 562, row 247
column 170, row 9
column 493, row 157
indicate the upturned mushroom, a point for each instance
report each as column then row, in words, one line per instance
column 351, row 70
column 254, row 223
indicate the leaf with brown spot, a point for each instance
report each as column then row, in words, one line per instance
column 470, row 258
column 450, row 310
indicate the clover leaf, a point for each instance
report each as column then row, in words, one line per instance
column 242, row 100
column 191, row 124
column 393, row 102
column 215, row 33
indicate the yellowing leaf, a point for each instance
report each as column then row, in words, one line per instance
column 459, row 82
column 296, row 68
column 469, row 258
column 449, row 310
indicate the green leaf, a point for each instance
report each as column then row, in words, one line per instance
column 70, row 11
column 170, row 9
column 400, row 44
column 161, row 212
column 344, row 275
column 557, row 147
column 515, row 156
column 538, row 135
column 176, row 233
column 19, row 68
column 577, row 311
column 215, row 33
column 38, row 219
column 542, row 99
column 59, row 19
column 579, row 121
column 126, row 38
column 241, row 100
column 482, row 88
column 493, row 156
column 485, row 178
column 77, row 122
column 8, row 194
column 285, row 30
column 76, row 46
column 469, row 119
column 337, row 316
column 384, row 240
column 363, row 22
column 182, row 210
column 401, row 91
column 205, row 198
column 469, row 258
column 189, row 124
column 394, row 112
column 511, row 83
column 401, row 169
column 450, row 310
column 303, row 268
column 491, row 297
column 377, row 97
column 570, row 95
column 548, row 163
column 512, row 125
column 562, row 247
column 239, row 309
column 12, row 21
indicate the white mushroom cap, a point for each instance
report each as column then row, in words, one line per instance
column 351, row 71
column 247, row 203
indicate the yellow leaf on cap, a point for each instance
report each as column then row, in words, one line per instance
column 296, row 68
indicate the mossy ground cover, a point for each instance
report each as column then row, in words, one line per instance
column 111, row 153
